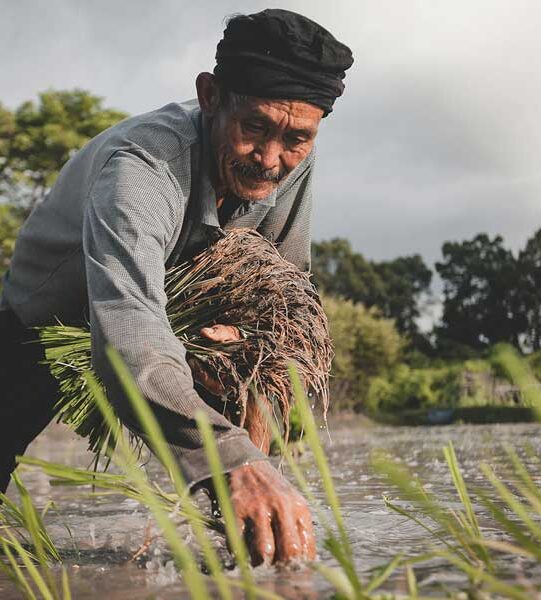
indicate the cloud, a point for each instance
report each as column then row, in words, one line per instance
column 437, row 136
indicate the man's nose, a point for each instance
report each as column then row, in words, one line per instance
column 267, row 155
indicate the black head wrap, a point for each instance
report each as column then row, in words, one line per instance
column 280, row 54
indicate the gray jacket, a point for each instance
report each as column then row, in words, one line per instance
column 138, row 197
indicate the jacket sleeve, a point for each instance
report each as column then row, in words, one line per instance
column 133, row 210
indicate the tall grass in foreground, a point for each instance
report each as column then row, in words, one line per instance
column 514, row 367
column 459, row 542
column 516, row 519
column 29, row 550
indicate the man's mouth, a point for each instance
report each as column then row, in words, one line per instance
column 255, row 173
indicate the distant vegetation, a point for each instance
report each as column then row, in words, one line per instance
column 36, row 139
column 383, row 363
column 39, row 137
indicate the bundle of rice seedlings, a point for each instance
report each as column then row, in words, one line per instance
column 242, row 281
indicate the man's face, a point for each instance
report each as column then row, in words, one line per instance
column 258, row 142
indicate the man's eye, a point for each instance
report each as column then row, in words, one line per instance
column 295, row 140
column 253, row 126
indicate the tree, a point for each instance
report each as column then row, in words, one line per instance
column 35, row 141
column 366, row 345
column 395, row 287
column 481, row 282
column 530, row 289
column 7, row 133
column 339, row 271
column 38, row 138
column 11, row 218
column 405, row 280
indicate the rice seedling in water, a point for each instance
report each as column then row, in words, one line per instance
column 134, row 484
column 184, row 558
column 126, row 459
column 29, row 549
column 461, row 540
column 461, row 544
column 458, row 532
column 345, row 579
column 17, row 518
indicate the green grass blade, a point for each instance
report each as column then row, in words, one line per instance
column 460, row 486
column 433, row 532
column 509, row 526
column 520, row 469
column 286, row 455
column 126, row 459
column 33, row 522
column 492, row 583
column 152, row 429
column 15, row 573
column 33, row 572
column 383, row 574
column 319, row 455
column 506, row 357
column 338, row 579
column 507, row 548
column 471, row 525
column 66, row 591
column 332, row 543
column 235, row 538
column 512, row 502
column 412, row 582
column 412, row 490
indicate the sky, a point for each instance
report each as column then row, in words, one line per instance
column 436, row 138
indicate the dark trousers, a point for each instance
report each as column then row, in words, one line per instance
column 28, row 392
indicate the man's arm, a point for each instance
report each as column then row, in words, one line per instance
column 132, row 213
column 130, row 217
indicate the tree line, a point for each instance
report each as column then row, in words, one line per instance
column 490, row 295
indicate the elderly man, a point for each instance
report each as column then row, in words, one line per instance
column 154, row 190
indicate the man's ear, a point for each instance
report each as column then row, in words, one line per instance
column 208, row 93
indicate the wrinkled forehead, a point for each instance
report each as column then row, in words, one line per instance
column 293, row 114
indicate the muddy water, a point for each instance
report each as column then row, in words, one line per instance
column 99, row 535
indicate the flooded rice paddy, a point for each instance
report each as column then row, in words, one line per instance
column 99, row 535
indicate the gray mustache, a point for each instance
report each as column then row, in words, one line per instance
column 255, row 172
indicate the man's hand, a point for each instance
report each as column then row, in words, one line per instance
column 273, row 517
column 255, row 421
column 221, row 333
column 217, row 333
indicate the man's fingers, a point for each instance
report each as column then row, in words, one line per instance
column 260, row 540
column 306, row 536
column 212, row 384
column 221, row 333
column 286, row 537
column 279, row 523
